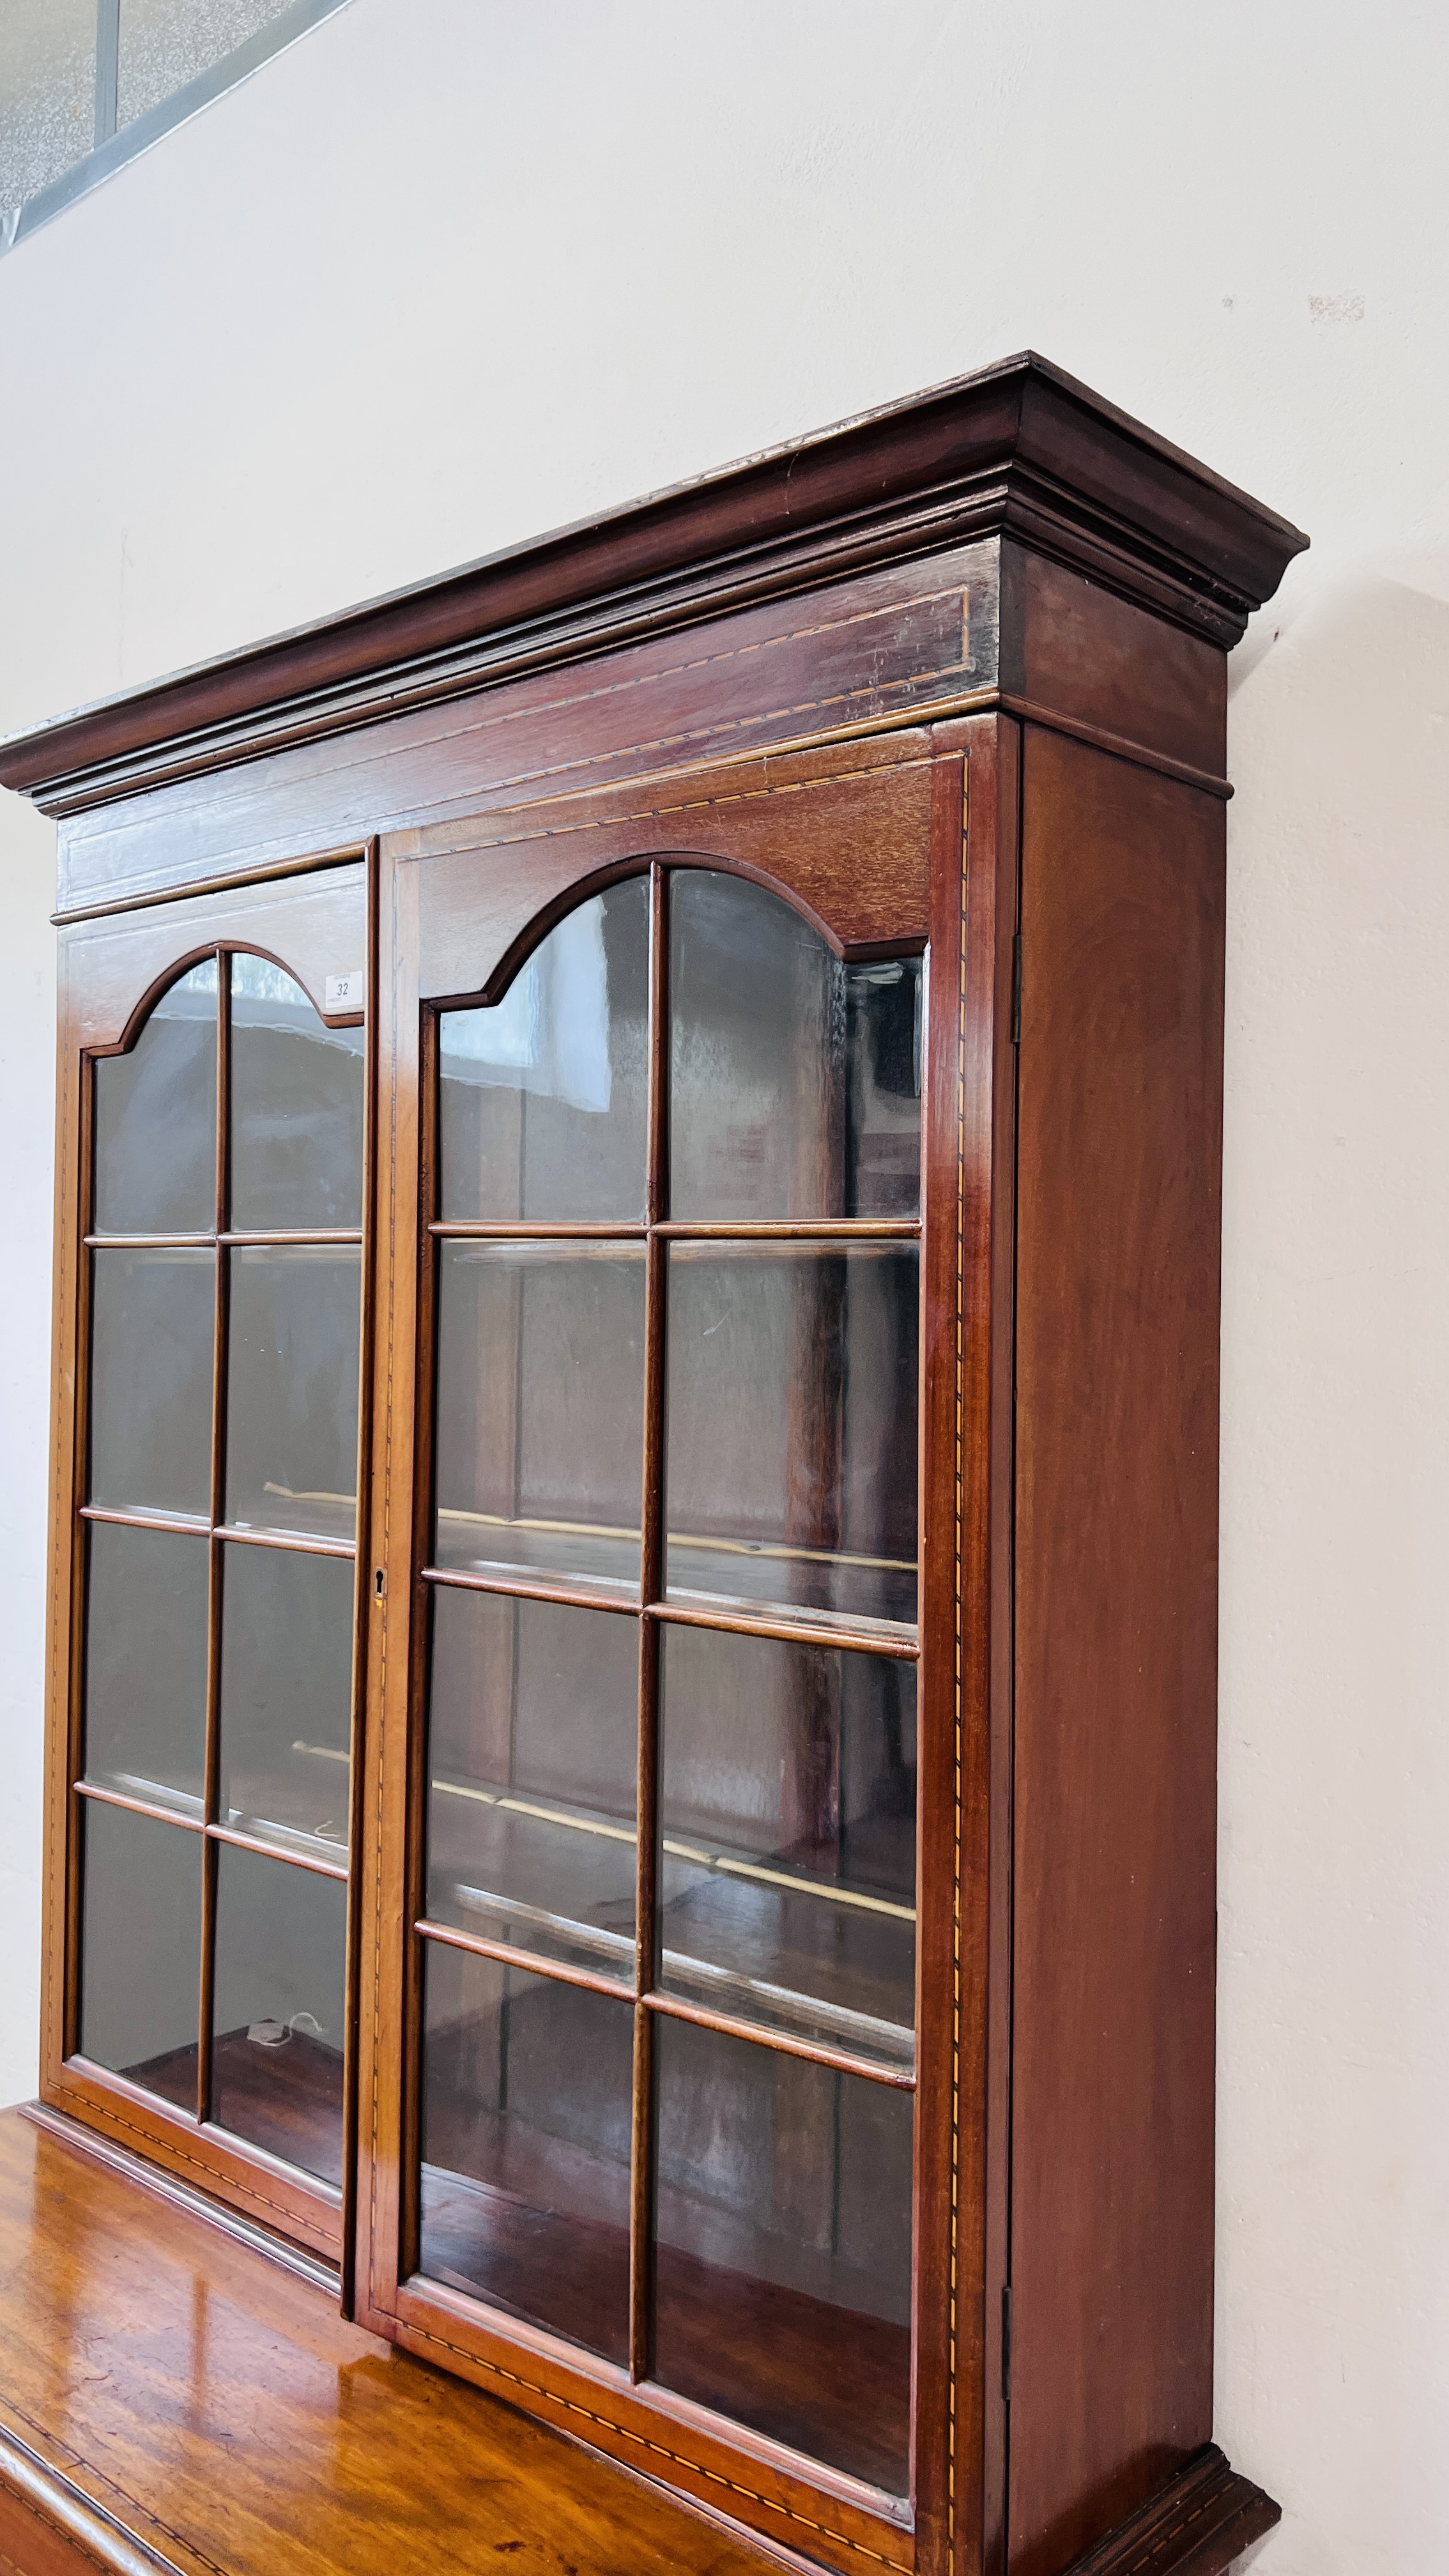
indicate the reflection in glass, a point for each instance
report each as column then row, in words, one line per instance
column 791, row 1425
column 155, row 1118
column 788, row 1807
column 531, row 1763
column 277, row 2012
column 540, row 1422
column 141, row 1949
column 291, row 1449
column 795, row 1081
column 145, row 1708
column 286, row 1695
column 783, row 2263
column 542, row 1096
column 526, row 2120
column 152, row 1332
column 296, row 1107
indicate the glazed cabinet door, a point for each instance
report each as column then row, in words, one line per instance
column 662, row 2126
column 210, row 1307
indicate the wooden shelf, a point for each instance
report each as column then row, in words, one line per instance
column 176, row 2401
column 171, row 2398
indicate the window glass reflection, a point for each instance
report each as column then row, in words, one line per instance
column 540, row 1410
column 286, row 1696
column 141, row 1949
column 791, row 1425
column 788, row 1811
column 531, row 1776
column 783, row 2256
column 47, row 93
column 165, row 43
column 278, row 2009
column 152, row 1341
column 526, row 2134
column 542, row 1095
column 296, row 1107
column 145, row 1704
column 795, row 1080
column 155, row 1118
column 291, row 1449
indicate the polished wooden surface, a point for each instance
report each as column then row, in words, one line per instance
column 1018, row 445
column 1109, row 665
column 867, row 654
column 845, row 833
column 314, row 925
column 1198, row 2524
column 952, row 673
column 1116, row 1642
column 172, row 2400
column 851, row 838
column 220, row 2413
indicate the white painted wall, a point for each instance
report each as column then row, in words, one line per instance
column 450, row 272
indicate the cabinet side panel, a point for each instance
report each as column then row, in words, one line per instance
column 1116, row 1586
column 1101, row 662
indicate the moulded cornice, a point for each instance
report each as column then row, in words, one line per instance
column 1018, row 449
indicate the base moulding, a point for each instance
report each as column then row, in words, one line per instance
column 1198, row 2525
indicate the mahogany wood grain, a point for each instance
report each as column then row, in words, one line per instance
column 216, row 2414
column 362, row 1608
column 834, row 2521
column 863, row 654
column 963, row 1868
column 271, row 2194
column 854, row 849
column 313, row 926
column 1069, row 645
column 110, row 972
column 945, row 675
column 1199, row 2524
column 1116, row 1607
column 844, row 834
column 220, row 1349
column 1018, row 446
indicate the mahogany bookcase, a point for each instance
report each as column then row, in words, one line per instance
column 632, row 1739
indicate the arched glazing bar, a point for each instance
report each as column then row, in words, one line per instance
column 219, row 1525
column 668, row 1928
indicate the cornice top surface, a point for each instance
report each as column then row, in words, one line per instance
column 1019, row 447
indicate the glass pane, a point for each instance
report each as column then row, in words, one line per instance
column 296, row 1107
column 540, row 1446
column 47, row 93
column 152, row 1333
column 141, row 1950
column 146, row 1603
column 286, row 1696
column 542, row 1096
column 791, row 1441
column 532, row 1776
column 783, row 2266
column 277, row 2012
column 795, row 1081
column 291, row 1396
column 166, row 43
column 526, row 2121
column 788, row 1805
column 155, row 1125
